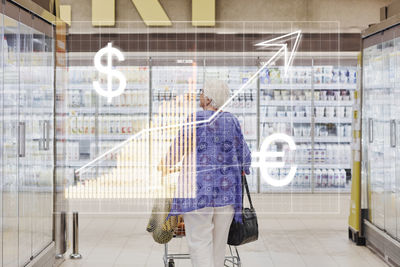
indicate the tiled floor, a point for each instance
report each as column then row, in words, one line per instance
column 291, row 238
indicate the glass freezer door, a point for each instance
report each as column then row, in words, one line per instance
column 381, row 57
column 389, row 142
column 13, row 145
column 42, row 92
column 375, row 132
column 396, row 116
column 26, row 166
column 2, row 130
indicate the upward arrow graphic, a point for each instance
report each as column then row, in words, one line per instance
column 279, row 42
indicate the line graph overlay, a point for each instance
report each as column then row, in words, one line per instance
column 288, row 59
column 135, row 174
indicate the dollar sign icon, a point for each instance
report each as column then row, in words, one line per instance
column 110, row 52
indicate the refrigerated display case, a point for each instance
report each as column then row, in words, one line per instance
column 313, row 104
column 95, row 125
column 380, row 135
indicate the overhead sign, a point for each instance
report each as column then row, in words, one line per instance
column 152, row 13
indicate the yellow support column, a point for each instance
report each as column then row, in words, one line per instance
column 355, row 203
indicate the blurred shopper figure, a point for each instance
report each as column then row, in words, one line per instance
column 221, row 156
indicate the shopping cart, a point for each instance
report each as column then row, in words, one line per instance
column 232, row 260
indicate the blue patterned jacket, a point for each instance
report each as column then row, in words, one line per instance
column 221, row 156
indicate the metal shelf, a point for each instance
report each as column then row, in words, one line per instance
column 322, row 139
column 288, row 86
column 74, row 138
column 305, row 120
column 89, row 86
column 80, row 163
column 317, row 103
column 110, row 110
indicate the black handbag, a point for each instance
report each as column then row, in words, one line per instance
column 247, row 231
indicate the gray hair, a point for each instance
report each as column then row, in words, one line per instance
column 217, row 91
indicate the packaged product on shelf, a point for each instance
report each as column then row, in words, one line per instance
column 144, row 99
column 306, row 131
column 336, row 178
column 342, row 76
column 74, row 98
column 280, row 112
column 329, row 153
column 80, row 124
column 348, row 112
column 353, row 76
column 249, row 101
column 317, row 150
column 135, row 125
column 73, row 124
column 307, row 178
column 87, row 99
column 110, row 124
column 308, row 111
column 124, row 125
column 330, row 112
column 348, row 130
column 275, row 76
column 324, row 180
column 103, row 125
column 309, row 153
column 75, row 151
column 272, row 111
column 116, row 124
column 342, row 177
column 300, row 111
column 323, row 153
column 300, row 177
column 116, row 101
column 318, row 177
column 340, row 112
column 92, row 125
column 86, row 125
column 5, row 51
column 335, row 75
column 323, row 95
column 304, row 156
column 297, row 131
column 319, row 112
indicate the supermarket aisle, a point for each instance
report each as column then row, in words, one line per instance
column 285, row 239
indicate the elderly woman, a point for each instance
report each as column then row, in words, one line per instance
column 221, row 157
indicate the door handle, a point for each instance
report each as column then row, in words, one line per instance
column 41, row 140
column 371, row 130
column 21, row 139
column 46, row 139
column 393, row 140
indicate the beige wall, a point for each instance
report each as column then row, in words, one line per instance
column 347, row 15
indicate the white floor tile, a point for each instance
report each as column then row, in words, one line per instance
column 298, row 230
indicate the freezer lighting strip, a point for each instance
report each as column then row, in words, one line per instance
column 288, row 61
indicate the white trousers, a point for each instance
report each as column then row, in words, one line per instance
column 207, row 232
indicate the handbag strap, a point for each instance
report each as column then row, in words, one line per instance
column 244, row 183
